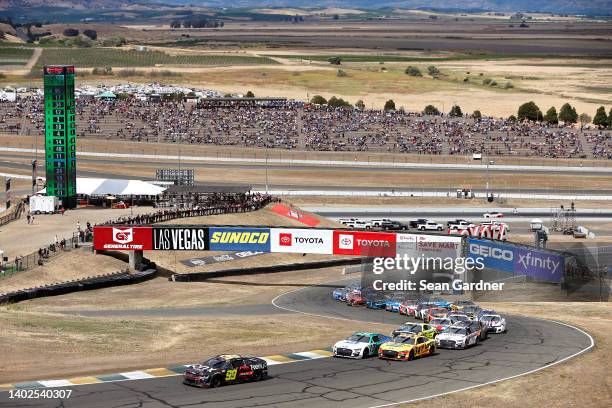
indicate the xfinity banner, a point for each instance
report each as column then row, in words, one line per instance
column 301, row 241
column 535, row 263
column 239, row 239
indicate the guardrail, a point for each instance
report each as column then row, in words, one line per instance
column 13, row 214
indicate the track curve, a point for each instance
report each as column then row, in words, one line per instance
column 530, row 345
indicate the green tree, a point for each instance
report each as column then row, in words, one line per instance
column 359, row 104
column 389, row 105
column 601, row 119
column 431, row 110
column 341, row 73
column 568, row 114
column 92, row 34
column 512, row 118
column 529, row 111
column 477, row 114
column 250, row 94
column 318, row 100
column 433, row 71
column 551, row 116
column 335, row 60
column 413, row 71
column 455, row 111
column 338, row 103
column 610, row 118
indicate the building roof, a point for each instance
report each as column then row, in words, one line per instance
column 208, row 189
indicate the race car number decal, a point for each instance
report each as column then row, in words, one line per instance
column 230, row 375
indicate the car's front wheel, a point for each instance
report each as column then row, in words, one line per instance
column 432, row 350
column 411, row 355
column 366, row 353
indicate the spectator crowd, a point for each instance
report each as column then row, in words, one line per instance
column 295, row 125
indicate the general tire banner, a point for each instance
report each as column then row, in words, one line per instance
column 301, row 241
column 364, row 243
column 123, row 238
column 541, row 265
column 180, row 238
column 296, row 215
column 239, row 239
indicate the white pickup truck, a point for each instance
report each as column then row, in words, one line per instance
column 359, row 224
column 430, row 226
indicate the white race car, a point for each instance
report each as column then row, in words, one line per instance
column 456, row 337
column 493, row 215
column 360, row 345
column 494, row 323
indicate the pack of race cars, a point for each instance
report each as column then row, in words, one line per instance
column 452, row 325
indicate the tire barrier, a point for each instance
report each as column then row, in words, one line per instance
column 203, row 276
column 91, row 283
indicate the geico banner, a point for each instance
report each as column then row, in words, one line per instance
column 364, row 243
column 180, row 238
column 123, row 238
column 239, row 239
column 532, row 262
column 301, row 241
column 416, row 245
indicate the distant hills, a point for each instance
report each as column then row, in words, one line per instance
column 591, row 7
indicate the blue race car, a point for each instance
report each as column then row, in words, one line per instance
column 376, row 303
column 393, row 303
column 439, row 302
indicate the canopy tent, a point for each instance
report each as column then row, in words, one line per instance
column 117, row 187
column 107, row 94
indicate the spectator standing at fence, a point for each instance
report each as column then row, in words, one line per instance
column 78, row 226
column 62, row 210
column 29, row 217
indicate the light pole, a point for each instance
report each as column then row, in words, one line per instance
column 489, row 162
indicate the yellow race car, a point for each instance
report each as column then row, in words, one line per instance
column 407, row 347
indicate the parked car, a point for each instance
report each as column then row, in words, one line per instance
column 459, row 224
column 493, row 215
column 415, row 223
column 430, row 226
column 378, row 223
column 395, row 226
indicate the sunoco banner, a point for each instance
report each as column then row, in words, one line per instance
column 239, row 239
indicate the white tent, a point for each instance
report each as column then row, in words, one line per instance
column 119, row 187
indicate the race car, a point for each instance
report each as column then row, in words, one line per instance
column 435, row 312
column 477, row 327
column 407, row 347
column 440, row 324
column 483, row 312
column 457, row 337
column 494, row 323
column 408, row 307
column 457, row 317
column 354, row 298
column 359, row 345
column 225, row 369
column 471, row 311
column 340, row 294
column 376, row 302
column 421, row 329
column 393, row 304
column 460, row 304
column 439, row 302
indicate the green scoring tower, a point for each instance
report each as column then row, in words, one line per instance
column 60, row 134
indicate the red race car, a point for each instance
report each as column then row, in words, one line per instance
column 355, row 299
column 435, row 312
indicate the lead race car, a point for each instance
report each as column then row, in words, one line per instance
column 225, row 369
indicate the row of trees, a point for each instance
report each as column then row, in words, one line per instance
column 567, row 114
column 335, row 102
column 196, row 22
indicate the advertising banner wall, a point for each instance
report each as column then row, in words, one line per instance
column 239, row 239
column 364, row 243
column 207, row 260
column 299, row 241
column 416, row 245
column 123, row 238
column 180, row 238
column 538, row 264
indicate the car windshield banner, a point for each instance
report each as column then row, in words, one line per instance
column 522, row 260
column 301, row 241
column 123, row 238
column 180, row 238
column 239, row 239
column 364, row 243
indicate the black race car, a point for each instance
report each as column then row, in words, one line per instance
column 225, row 369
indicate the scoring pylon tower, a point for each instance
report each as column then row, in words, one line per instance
column 60, row 133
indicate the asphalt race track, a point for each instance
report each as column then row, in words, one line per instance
column 529, row 345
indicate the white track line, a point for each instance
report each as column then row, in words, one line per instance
column 461, row 389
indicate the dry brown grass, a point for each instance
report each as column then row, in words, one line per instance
column 76, row 264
